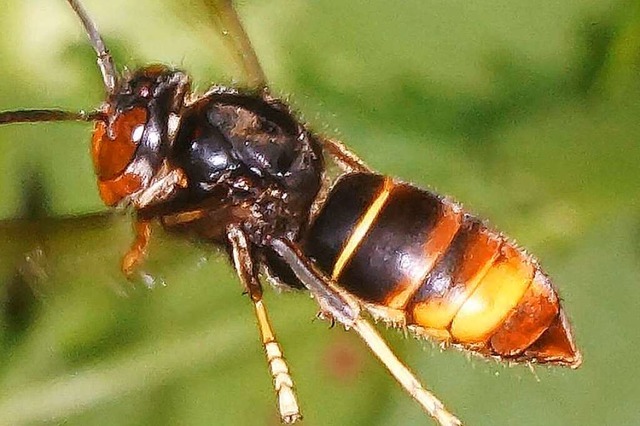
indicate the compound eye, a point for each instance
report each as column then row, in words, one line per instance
column 111, row 156
column 113, row 150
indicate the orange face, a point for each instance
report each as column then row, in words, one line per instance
column 113, row 150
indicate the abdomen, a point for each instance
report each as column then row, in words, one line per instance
column 405, row 250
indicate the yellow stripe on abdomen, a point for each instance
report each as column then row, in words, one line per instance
column 495, row 296
column 361, row 229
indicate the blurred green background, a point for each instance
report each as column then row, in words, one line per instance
column 527, row 112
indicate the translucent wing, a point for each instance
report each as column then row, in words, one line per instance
column 238, row 42
column 224, row 17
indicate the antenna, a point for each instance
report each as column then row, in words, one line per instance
column 40, row 115
column 105, row 61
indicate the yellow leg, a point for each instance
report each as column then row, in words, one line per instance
column 344, row 308
column 282, row 381
column 134, row 257
column 344, row 158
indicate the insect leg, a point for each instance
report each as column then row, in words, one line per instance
column 346, row 159
column 134, row 257
column 241, row 255
column 343, row 308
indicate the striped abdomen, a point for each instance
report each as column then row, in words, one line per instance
column 410, row 251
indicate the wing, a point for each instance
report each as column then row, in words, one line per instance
column 223, row 16
column 226, row 19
